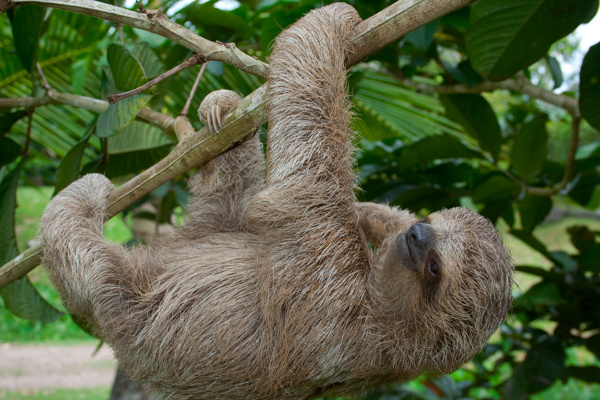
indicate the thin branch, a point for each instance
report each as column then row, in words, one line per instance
column 44, row 81
column 156, row 22
column 195, row 150
column 188, row 103
column 521, row 84
column 193, row 60
column 154, row 118
column 25, row 152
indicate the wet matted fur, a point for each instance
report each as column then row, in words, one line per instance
column 270, row 290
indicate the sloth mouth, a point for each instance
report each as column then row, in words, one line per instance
column 405, row 255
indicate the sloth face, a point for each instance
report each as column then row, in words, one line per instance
column 449, row 277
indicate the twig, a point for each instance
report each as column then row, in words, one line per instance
column 121, row 34
column 44, row 81
column 193, row 60
column 186, row 108
column 195, row 150
column 25, row 152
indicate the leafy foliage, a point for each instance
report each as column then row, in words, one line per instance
column 493, row 152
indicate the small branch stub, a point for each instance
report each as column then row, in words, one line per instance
column 5, row 5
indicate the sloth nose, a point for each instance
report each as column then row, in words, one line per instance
column 420, row 236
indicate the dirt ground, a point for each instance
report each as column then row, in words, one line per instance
column 31, row 368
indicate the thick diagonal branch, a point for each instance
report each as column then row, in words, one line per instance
column 372, row 34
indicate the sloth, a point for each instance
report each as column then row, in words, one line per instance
column 280, row 284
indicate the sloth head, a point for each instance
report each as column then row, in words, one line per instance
column 448, row 280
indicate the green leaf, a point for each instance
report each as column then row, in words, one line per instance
column 126, row 70
column 474, row 113
column 137, row 136
column 582, row 238
column 136, row 161
column 422, row 37
column 593, row 344
column 544, row 293
column 495, row 188
column 119, row 115
column 434, row 148
column 589, row 87
column 22, row 299
column 9, row 151
column 533, row 210
column 555, row 70
column 8, row 192
column 529, row 149
column 544, row 364
column 28, row 26
column 211, row 18
column 8, row 119
column 151, row 64
column 586, row 374
column 589, row 260
column 137, row 147
column 506, row 36
column 69, row 167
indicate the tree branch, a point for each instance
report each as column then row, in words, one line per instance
column 154, row 118
column 521, row 84
column 155, row 21
column 193, row 60
column 195, row 150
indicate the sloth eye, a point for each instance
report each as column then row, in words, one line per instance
column 433, row 268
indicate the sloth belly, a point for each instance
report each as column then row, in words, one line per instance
column 202, row 324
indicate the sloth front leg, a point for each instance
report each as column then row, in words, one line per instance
column 85, row 268
column 223, row 187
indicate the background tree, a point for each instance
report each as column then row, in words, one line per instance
column 469, row 109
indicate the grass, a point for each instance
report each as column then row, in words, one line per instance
column 99, row 393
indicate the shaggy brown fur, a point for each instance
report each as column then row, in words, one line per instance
column 271, row 290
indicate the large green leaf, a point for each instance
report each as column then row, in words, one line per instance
column 20, row 297
column 529, row 149
column 422, row 37
column 8, row 119
column 137, row 147
column 434, row 148
column 126, row 70
column 8, row 192
column 149, row 61
column 119, row 115
column 137, row 136
column 495, row 188
column 408, row 113
column 533, row 210
column 27, row 25
column 589, row 87
column 9, row 150
column 68, row 169
column 475, row 114
column 505, row 36
column 543, row 365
